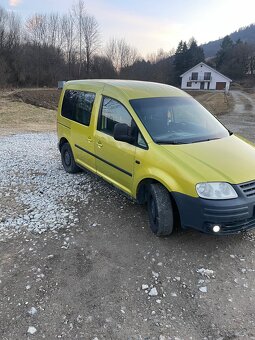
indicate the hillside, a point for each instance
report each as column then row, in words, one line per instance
column 246, row 34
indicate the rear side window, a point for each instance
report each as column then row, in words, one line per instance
column 77, row 106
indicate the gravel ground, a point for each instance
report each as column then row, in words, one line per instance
column 33, row 181
column 78, row 260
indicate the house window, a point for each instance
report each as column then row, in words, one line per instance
column 207, row 76
column 189, row 84
column 194, row 76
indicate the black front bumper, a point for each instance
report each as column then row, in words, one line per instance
column 233, row 216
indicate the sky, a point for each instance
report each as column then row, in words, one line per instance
column 150, row 25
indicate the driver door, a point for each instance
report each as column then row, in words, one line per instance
column 114, row 159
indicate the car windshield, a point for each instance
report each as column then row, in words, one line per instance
column 177, row 120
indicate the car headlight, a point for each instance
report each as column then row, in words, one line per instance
column 216, row 190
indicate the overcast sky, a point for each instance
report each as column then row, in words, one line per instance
column 150, row 25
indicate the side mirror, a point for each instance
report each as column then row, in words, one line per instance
column 121, row 133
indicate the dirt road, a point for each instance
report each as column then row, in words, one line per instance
column 242, row 119
column 77, row 257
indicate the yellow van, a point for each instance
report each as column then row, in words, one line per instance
column 161, row 147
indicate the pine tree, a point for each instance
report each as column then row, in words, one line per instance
column 186, row 56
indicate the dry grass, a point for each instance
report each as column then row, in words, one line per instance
column 216, row 102
column 16, row 116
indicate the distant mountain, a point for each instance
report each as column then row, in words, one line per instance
column 246, row 34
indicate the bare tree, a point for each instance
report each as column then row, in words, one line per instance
column 3, row 22
column 79, row 13
column 91, row 38
column 154, row 58
column 68, row 30
column 88, row 35
column 10, row 29
column 36, row 28
column 55, row 34
column 120, row 53
column 45, row 30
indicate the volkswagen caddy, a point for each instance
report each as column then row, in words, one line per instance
column 161, row 147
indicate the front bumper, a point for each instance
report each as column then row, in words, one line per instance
column 233, row 216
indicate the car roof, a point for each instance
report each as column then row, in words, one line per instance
column 131, row 89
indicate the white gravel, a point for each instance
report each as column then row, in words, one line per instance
column 36, row 194
column 32, row 311
column 206, row 272
column 153, row 292
column 203, row 289
column 31, row 330
column 144, row 286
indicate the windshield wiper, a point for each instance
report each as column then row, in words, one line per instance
column 176, row 142
column 172, row 142
column 205, row 140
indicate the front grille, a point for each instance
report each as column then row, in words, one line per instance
column 248, row 188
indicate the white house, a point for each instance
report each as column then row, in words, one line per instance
column 204, row 77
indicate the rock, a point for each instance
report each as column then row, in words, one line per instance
column 162, row 337
column 206, row 272
column 153, row 292
column 32, row 311
column 145, row 286
column 203, row 289
column 31, row 330
column 79, row 318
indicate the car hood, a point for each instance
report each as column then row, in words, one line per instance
column 229, row 159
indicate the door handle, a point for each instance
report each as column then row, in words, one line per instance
column 90, row 140
column 99, row 144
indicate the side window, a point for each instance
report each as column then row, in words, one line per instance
column 77, row 106
column 141, row 141
column 68, row 104
column 112, row 112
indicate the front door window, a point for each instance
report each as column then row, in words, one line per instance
column 113, row 112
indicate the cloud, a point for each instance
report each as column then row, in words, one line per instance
column 14, row 3
column 146, row 32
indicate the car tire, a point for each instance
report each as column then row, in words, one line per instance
column 68, row 159
column 160, row 210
